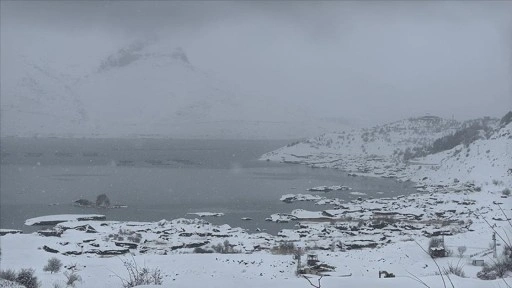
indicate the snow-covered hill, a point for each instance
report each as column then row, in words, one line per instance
column 380, row 151
column 144, row 89
column 484, row 162
column 359, row 150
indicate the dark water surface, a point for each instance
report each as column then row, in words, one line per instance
column 162, row 179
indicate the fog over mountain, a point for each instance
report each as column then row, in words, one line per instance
column 248, row 69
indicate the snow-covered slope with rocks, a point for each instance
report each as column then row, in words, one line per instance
column 484, row 162
column 359, row 150
column 145, row 89
column 380, row 151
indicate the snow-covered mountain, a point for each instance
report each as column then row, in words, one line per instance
column 144, row 89
column 36, row 99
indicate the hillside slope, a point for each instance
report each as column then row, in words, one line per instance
column 365, row 150
column 386, row 151
column 483, row 162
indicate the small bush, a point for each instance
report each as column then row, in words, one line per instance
column 200, row 250
column 284, row 248
column 140, row 275
column 506, row 192
column 72, row 277
column 53, row 265
column 224, row 248
column 461, row 250
column 497, row 182
column 455, row 270
column 26, row 278
column 497, row 270
column 136, row 237
column 8, row 274
column 435, row 242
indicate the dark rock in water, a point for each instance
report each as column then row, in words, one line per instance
column 102, row 201
column 83, row 203
column 48, row 249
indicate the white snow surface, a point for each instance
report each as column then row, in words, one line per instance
column 62, row 218
column 207, row 214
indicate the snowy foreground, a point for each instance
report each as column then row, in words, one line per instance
column 460, row 196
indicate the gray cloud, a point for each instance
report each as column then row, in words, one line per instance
column 379, row 60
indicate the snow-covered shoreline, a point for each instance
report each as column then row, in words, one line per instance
column 458, row 198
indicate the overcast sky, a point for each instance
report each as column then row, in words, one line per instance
column 377, row 60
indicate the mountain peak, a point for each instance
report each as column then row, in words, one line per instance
column 141, row 50
column 179, row 54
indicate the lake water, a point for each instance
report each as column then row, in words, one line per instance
column 163, row 179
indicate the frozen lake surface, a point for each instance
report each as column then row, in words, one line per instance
column 164, row 179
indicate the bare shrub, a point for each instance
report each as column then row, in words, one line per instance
column 224, row 248
column 285, row 248
column 8, row 274
column 136, row 237
column 503, row 265
column 461, row 250
column 455, row 269
column 53, row 265
column 506, row 192
column 200, row 250
column 26, row 278
column 72, row 278
column 497, row 270
column 140, row 275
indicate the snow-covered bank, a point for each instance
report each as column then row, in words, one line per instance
column 55, row 219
